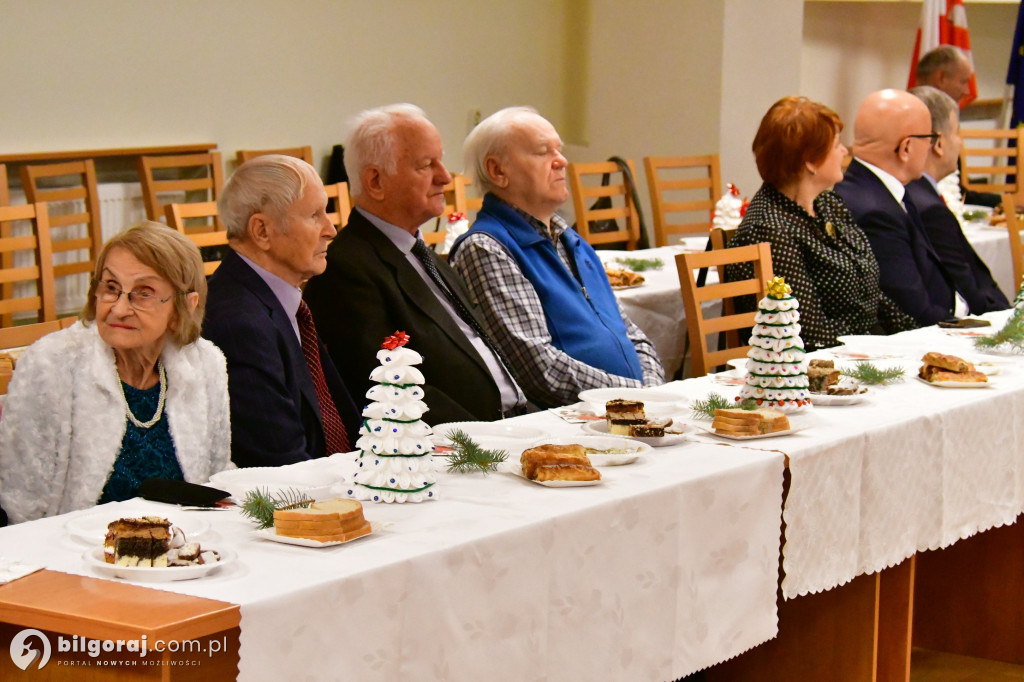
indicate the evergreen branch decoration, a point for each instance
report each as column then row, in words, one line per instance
column 1012, row 334
column 468, row 456
column 259, row 504
column 867, row 373
column 705, row 409
column 641, row 264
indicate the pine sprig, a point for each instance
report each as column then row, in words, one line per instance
column 705, row 409
column 867, row 373
column 259, row 504
column 1012, row 334
column 468, row 456
column 641, row 264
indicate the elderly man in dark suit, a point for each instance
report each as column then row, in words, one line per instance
column 288, row 403
column 381, row 277
column 971, row 276
column 892, row 139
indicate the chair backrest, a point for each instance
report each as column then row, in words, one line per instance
column 44, row 302
column 25, row 335
column 988, row 153
column 192, row 174
column 1013, row 227
column 78, row 234
column 177, row 214
column 686, row 187
column 622, row 210
column 304, row 153
column 698, row 327
column 5, row 193
column 457, row 199
column 342, row 204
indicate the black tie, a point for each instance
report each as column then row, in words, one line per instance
column 423, row 253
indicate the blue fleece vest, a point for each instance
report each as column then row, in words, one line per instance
column 583, row 322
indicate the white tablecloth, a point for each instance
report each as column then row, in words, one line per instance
column 667, row 567
column 657, row 306
column 914, row 467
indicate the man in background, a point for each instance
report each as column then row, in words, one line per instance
column 382, row 278
column 892, row 139
column 970, row 275
column 947, row 68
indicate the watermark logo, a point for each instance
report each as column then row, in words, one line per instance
column 24, row 655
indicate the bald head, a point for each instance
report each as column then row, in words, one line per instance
column 885, row 129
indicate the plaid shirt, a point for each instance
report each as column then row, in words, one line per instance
column 515, row 319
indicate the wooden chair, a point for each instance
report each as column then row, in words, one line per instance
column 25, row 335
column 697, row 326
column 81, row 232
column 583, row 196
column 304, row 153
column 456, row 200
column 686, row 186
column 207, row 178
column 988, row 153
column 5, row 193
column 177, row 214
column 6, row 259
column 1013, row 227
column 342, row 204
column 44, row 302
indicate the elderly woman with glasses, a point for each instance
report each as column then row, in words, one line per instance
column 128, row 392
column 816, row 245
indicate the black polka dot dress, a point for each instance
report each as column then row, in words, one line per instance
column 827, row 261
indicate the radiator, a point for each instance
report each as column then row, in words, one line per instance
column 120, row 207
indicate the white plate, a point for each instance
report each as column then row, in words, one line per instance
column 239, row 482
column 633, row 448
column 827, row 400
column 656, row 403
column 623, row 287
column 94, row 559
column 269, row 534
column 971, row 332
column 487, row 435
column 787, row 432
column 601, row 429
column 956, row 384
column 92, row 528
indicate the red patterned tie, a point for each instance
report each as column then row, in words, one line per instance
column 334, row 429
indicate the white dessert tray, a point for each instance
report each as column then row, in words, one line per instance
column 148, row 574
column 670, row 438
column 517, row 470
column 956, row 384
column 657, row 401
column 627, row 450
column 239, row 482
column 92, row 528
column 710, row 431
column 269, row 534
column 486, row 434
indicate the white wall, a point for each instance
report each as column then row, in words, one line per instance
column 851, row 49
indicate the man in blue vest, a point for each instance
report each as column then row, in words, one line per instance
column 543, row 291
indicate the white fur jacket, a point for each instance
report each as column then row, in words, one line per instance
column 64, row 419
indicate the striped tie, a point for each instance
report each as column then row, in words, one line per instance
column 334, row 429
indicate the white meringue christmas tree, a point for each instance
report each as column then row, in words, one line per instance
column 730, row 209
column 776, row 365
column 395, row 460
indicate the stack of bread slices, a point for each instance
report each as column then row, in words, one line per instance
column 337, row 520
column 740, row 422
column 942, row 367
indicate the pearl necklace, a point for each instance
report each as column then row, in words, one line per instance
column 159, row 406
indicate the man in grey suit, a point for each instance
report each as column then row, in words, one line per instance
column 381, row 277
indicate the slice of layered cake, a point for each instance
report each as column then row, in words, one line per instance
column 622, row 414
column 138, row 541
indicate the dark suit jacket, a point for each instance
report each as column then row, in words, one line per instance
column 970, row 275
column 275, row 413
column 370, row 291
column 912, row 274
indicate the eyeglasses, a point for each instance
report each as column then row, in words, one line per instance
column 931, row 137
column 140, row 299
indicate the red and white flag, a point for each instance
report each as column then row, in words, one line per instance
column 943, row 22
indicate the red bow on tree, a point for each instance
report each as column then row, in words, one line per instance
column 395, row 340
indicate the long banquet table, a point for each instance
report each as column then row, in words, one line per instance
column 667, row 567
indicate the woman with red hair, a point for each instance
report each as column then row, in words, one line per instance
column 816, row 245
